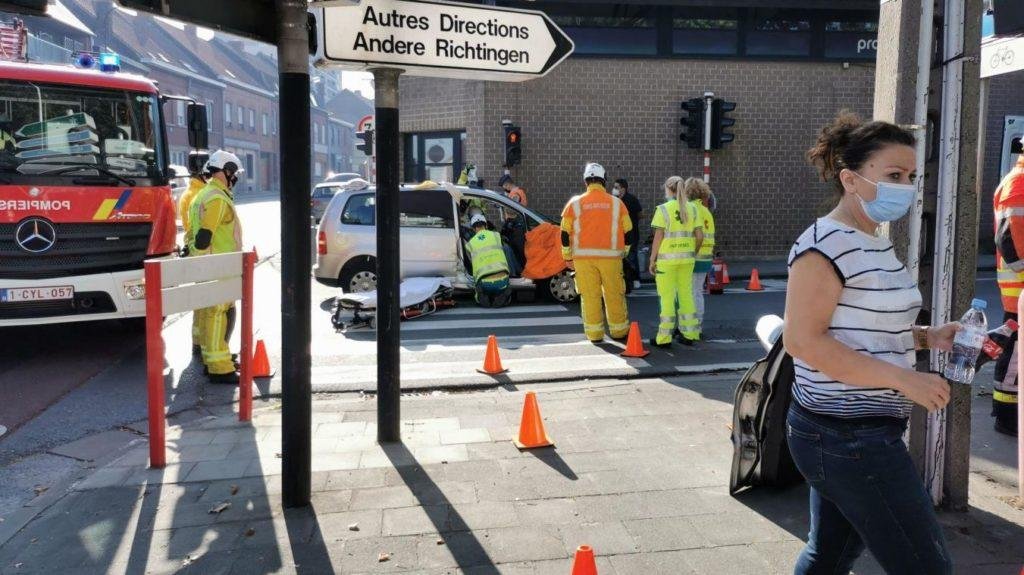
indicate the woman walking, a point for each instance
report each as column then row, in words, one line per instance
column 677, row 236
column 850, row 308
column 699, row 194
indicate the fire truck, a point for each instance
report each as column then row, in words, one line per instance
column 84, row 189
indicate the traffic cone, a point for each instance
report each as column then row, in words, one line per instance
column 725, row 273
column 755, row 281
column 260, row 361
column 531, row 428
column 492, row 360
column 635, row 344
column 584, row 562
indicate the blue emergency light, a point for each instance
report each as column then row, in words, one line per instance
column 85, row 60
column 110, row 62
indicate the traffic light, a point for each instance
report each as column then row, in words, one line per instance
column 693, row 123
column 365, row 142
column 719, row 122
column 513, row 142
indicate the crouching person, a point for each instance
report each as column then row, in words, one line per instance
column 490, row 266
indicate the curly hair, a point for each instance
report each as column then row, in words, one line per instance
column 848, row 142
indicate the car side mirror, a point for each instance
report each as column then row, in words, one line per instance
column 198, row 130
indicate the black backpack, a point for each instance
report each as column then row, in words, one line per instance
column 760, row 452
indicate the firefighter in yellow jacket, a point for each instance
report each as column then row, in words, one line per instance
column 594, row 225
column 216, row 230
column 196, row 182
column 677, row 237
column 1008, row 207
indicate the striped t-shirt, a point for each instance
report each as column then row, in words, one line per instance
column 877, row 307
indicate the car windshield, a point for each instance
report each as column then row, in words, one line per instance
column 48, row 130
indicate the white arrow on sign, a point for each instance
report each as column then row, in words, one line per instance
column 1002, row 56
column 441, row 39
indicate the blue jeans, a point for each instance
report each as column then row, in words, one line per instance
column 865, row 491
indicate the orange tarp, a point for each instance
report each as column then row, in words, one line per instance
column 543, row 252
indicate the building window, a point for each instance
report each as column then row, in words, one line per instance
column 318, row 169
column 227, row 114
column 705, row 33
column 856, row 40
column 179, row 112
column 209, row 114
column 779, row 33
column 266, row 121
column 608, row 30
column 252, row 120
column 249, row 166
column 273, row 122
column 241, row 118
column 435, row 156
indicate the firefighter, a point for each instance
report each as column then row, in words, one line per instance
column 699, row 194
column 490, row 266
column 677, row 235
column 196, row 182
column 216, row 230
column 594, row 225
column 1008, row 206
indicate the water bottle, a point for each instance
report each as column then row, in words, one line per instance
column 967, row 344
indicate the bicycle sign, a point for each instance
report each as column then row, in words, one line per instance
column 999, row 56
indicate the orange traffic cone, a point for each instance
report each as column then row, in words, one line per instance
column 492, row 360
column 260, row 361
column 584, row 562
column 755, row 281
column 725, row 273
column 635, row 344
column 531, row 429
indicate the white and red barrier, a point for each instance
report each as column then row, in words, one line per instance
column 188, row 284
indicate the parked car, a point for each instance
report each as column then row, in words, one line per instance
column 320, row 197
column 432, row 234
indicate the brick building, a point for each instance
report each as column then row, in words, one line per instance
column 789, row 66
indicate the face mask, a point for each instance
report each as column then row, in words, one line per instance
column 670, row 196
column 891, row 202
column 616, row 192
column 232, row 180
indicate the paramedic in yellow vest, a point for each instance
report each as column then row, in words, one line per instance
column 196, row 182
column 490, row 268
column 673, row 253
column 594, row 227
column 216, row 230
column 1008, row 207
column 699, row 194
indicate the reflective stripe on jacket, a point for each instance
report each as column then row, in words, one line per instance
column 678, row 243
column 707, row 248
column 487, row 254
column 596, row 223
column 1008, row 207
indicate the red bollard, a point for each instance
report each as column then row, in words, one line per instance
column 245, row 381
column 1020, row 409
column 155, row 364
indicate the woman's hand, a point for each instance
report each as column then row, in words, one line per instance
column 929, row 390
column 653, row 268
column 941, row 338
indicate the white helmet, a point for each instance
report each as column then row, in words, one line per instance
column 593, row 170
column 477, row 219
column 221, row 158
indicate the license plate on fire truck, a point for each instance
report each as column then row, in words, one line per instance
column 36, row 293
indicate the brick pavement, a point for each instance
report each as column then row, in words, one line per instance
column 639, row 472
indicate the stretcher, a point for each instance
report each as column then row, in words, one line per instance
column 418, row 297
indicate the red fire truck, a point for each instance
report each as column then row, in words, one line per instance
column 84, row 189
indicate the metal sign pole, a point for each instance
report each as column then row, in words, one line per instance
column 388, row 257
column 296, row 259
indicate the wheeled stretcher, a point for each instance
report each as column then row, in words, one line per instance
column 417, row 296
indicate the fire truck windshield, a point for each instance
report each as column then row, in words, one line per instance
column 47, row 130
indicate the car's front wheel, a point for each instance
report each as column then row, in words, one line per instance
column 359, row 276
column 560, row 287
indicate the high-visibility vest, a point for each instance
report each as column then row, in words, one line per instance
column 707, row 248
column 487, row 254
column 227, row 235
column 195, row 185
column 1008, row 207
column 597, row 223
column 678, row 243
column 518, row 195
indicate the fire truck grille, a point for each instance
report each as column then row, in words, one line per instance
column 79, row 249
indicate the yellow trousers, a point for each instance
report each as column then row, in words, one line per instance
column 216, row 322
column 197, row 327
column 675, row 290
column 597, row 280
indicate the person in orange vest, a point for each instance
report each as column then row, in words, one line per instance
column 594, row 227
column 1008, row 207
column 513, row 191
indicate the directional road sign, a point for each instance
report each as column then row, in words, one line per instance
column 441, row 39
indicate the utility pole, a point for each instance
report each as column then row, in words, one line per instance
column 296, row 395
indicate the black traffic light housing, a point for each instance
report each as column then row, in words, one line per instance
column 364, row 142
column 513, row 145
column 719, row 123
column 693, row 123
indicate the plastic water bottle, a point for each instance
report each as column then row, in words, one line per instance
column 967, row 344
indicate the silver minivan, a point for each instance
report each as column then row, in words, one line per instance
column 433, row 230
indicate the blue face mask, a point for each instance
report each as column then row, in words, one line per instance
column 891, row 203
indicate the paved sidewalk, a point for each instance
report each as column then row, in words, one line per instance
column 639, row 472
